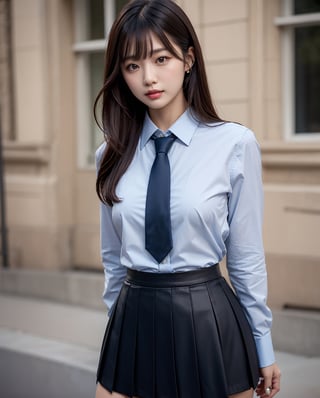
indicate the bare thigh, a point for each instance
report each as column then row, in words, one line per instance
column 103, row 393
column 244, row 394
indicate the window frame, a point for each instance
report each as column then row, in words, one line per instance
column 288, row 22
column 82, row 76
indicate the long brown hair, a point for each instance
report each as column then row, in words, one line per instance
column 123, row 114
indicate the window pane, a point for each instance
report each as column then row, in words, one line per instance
column 306, row 6
column 119, row 5
column 96, row 20
column 96, row 80
column 307, row 79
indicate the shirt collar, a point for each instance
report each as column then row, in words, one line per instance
column 183, row 128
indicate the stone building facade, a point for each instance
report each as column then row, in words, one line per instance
column 262, row 59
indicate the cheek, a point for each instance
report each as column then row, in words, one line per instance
column 175, row 80
column 132, row 82
column 176, row 74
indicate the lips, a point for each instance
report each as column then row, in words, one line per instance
column 154, row 94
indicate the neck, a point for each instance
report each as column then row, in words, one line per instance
column 164, row 118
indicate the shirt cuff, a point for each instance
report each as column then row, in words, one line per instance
column 265, row 350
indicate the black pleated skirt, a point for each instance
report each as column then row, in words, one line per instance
column 178, row 335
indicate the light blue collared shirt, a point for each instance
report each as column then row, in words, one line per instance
column 216, row 210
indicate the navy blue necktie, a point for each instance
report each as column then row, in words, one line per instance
column 157, row 220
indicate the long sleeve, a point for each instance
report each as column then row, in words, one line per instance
column 110, row 252
column 245, row 252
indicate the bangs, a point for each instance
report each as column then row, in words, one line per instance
column 137, row 43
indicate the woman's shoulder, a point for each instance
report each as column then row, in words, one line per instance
column 232, row 132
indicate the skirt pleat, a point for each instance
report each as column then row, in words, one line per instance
column 236, row 337
column 184, row 341
column 208, row 345
column 248, row 344
column 145, row 359
column 124, row 380
column 108, row 364
column 190, row 341
column 166, row 380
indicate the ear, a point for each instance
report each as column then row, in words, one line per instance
column 190, row 59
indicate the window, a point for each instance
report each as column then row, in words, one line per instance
column 93, row 20
column 300, row 25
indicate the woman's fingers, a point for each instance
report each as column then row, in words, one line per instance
column 269, row 385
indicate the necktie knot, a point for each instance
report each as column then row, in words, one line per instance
column 163, row 144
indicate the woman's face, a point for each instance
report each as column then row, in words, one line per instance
column 157, row 80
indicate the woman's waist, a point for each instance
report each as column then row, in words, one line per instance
column 173, row 263
column 192, row 276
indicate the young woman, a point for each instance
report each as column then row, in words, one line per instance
column 180, row 189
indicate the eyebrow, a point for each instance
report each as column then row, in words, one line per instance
column 154, row 51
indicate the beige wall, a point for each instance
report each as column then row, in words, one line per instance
column 53, row 210
column 40, row 161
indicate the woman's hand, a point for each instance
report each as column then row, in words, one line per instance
column 269, row 385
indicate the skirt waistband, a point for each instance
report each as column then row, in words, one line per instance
column 171, row 279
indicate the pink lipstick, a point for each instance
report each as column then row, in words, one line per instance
column 154, row 94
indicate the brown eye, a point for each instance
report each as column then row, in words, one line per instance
column 162, row 60
column 132, row 67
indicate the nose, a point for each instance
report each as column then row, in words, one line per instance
column 149, row 75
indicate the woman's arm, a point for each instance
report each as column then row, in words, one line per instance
column 110, row 244
column 245, row 252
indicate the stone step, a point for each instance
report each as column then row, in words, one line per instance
column 297, row 332
column 67, row 287
column 34, row 367
column 51, row 348
column 51, row 320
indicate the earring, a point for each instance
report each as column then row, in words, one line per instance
column 189, row 70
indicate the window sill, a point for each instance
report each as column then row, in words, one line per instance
column 16, row 152
column 290, row 154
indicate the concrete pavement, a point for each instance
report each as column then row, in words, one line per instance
column 300, row 376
